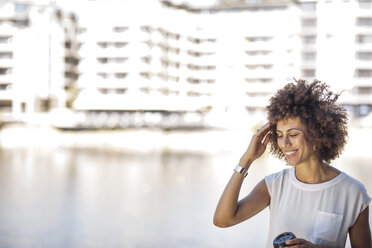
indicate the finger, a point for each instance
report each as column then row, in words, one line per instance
column 267, row 139
column 263, row 130
column 295, row 241
column 263, row 136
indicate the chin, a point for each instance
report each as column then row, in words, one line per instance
column 292, row 163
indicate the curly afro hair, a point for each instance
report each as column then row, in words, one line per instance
column 316, row 107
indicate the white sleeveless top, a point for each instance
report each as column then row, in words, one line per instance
column 320, row 213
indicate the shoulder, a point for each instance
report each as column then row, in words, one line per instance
column 275, row 180
column 354, row 190
column 278, row 175
column 353, row 193
column 353, row 185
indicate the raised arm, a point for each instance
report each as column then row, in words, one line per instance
column 229, row 210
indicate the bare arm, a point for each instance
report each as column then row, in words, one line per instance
column 229, row 210
column 360, row 233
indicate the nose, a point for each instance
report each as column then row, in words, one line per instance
column 285, row 141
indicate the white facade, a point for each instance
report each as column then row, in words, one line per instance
column 337, row 49
column 172, row 60
column 218, row 60
column 37, row 57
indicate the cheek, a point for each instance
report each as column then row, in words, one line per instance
column 306, row 146
column 279, row 143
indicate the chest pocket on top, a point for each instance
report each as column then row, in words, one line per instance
column 327, row 226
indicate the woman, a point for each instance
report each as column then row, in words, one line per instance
column 312, row 199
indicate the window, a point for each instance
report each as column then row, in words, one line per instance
column 201, row 67
column 20, row 7
column 364, row 73
column 196, row 80
column 102, row 75
column 364, row 21
column 121, row 75
column 102, row 60
column 120, row 29
column 258, row 39
column 146, row 74
column 6, row 55
column 103, row 91
column 68, row 44
column 5, row 71
column 309, row 56
column 167, row 77
column 364, row 110
column 71, row 60
column 168, row 49
column 258, row 80
column 71, row 75
column 193, row 93
column 256, row 53
column 4, row 86
column 169, row 35
column 5, row 39
column 120, row 60
column 364, row 55
column 365, row 90
column 309, row 22
column 120, row 91
column 146, row 90
column 309, row 39
column 147, row 29
column 105, row 60
column 102, row 44
column 199, row 40
column 146, row 59
column 170, row 63
column 120, row 44
column 198, row 54
column 73, row 17
column 258, row 66
column 308, row 72
column 21, row 23
column 173, row 36
column 364, row 38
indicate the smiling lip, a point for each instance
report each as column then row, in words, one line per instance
column 290, row 154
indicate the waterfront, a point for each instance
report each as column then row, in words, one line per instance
column 66, row 193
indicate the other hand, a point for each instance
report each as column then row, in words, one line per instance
column 297, row 243
column 257, row 146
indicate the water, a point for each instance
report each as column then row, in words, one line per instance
column 106, row 197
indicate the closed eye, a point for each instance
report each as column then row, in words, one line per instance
column 291, row 135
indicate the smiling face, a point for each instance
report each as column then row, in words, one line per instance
column 293, row 142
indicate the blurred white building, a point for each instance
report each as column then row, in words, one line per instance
column 149, row 62
column 337, row 48
column 220, row 60
column 221, row 65
column 38, row 57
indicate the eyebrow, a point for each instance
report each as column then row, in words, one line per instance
column 290, row 130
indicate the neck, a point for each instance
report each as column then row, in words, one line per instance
column 315, row 171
